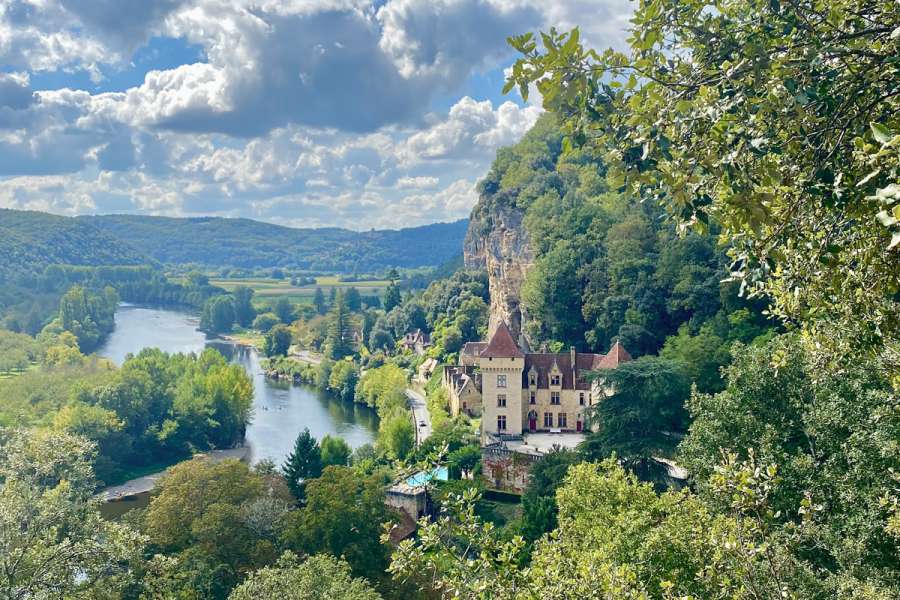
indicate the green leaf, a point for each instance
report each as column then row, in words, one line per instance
column 510, row 84
column 881, row 133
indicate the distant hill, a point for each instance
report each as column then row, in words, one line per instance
column 29, row 241
column 218, row 242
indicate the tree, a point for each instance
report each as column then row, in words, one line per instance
column 53, row 541
column 284, row 310
column 539, row 508
column 319, row 577
column 218, row 314
column 832, row 435
column 380, row 339
column 88, row 314
column 244, row 312
column 617, row 538
column 304, row 462
column 335, row 451
column 641, row 414
column 392, row 297
column 207, row 514
column 353, row 299
column 265, row 321
column 278, row 341
column 397, row 435
column 342, row 379
column 463, row 461
column 319, row 301
column 197, row 279
column 777, row 121
column 702, row 356
column 344, row 516
column 339, row 342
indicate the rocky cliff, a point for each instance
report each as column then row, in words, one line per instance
column 497, row 241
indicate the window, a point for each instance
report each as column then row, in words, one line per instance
column 501, row 400
column 501, row 422
column 554, row 379
column 548, row 419
column 532, row 398
column 501, row 381
column 554, row 397
column 561, row 420
column 581, row 398
column 532, row 379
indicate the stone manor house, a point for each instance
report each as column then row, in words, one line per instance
column 518, row 393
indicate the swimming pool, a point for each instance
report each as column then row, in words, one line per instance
column 421, row 478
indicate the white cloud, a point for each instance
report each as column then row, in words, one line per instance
column 314, row 111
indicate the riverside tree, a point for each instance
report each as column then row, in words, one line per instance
column 244, row 313
column 218, row 314
column 277, row 341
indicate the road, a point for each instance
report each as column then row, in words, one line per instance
column 148, row 482
column 419, row 408
column 306, row 356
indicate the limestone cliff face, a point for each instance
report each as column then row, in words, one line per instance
column 497, row 241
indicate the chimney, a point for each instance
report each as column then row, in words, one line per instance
column 574, row 368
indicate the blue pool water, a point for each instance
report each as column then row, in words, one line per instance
column 421, row 478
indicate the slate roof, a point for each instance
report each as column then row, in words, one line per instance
column 473, row 348
column 502, row 345
column 543, row 364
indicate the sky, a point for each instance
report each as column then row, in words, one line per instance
column 307, row 113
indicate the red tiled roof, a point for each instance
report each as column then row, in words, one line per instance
column 502, row 345
column 616, row 356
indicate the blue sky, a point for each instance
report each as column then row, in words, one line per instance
column 302, row 112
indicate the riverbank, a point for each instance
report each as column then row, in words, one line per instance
column 141, row 485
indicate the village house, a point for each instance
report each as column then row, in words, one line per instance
column 416, row 341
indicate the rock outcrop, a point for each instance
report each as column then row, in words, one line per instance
column 497, row 241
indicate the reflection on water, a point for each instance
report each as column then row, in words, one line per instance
column 280, row 410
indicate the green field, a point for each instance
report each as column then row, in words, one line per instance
column 267, row 289
column 16, row 372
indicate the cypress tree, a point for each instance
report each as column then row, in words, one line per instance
column 339, row 341
column 319, row 301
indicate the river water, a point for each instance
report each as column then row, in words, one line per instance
column 280, row 410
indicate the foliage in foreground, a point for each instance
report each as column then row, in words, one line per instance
column 319, row 577
column 617, row 538
column 53, row 542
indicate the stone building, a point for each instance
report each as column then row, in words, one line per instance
column 416, row 341
column 519, row 392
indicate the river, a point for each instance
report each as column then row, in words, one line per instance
column 280, row 410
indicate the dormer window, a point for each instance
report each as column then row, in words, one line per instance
column 554, row 379
column 532, row 379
